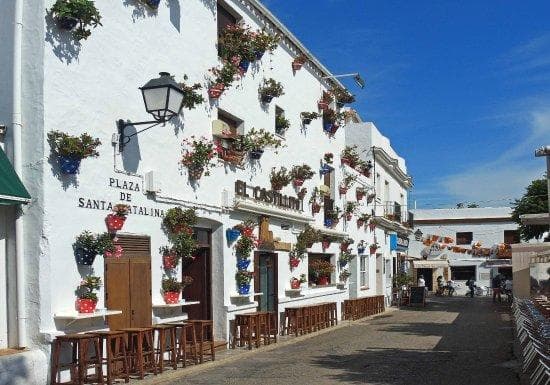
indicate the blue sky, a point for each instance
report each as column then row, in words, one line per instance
column 461, row 88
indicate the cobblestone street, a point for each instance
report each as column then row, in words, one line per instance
column 451, row 341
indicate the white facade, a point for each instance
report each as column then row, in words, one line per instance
column 87, row 87
column 487, row 227
column 390, row 182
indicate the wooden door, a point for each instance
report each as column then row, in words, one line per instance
column 128, row 283
column 265, row 280
column 200, row 270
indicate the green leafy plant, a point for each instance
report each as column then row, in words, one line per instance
column 176, row 220
column 333, row 214
column 264, row 41
column 326, row 97
column 316, row 196
column 87, row 241
column 80, row 147
column 309, row 115
column 259, row 140
column 121, row 210
column 279, row 178
column 348, row 181
column 308, row 236
column 105, row 244
column 302, row 172
column 533, row 201
column 236, row 42
column 190, row 95
column 244, row 277
column 364, row 217
column 331, row 116
column 303, row 278
column 344, row 275
column 281, row 123
column 345, row 257
column 342, row 95
column 226, row 74
column 171, row 285
column 198, row 154
column 244, row 246
column 402, row 279
column 271, row 87
column 183, row 245
column 70, row 13
column 87, row 287
column 186, row 281
column 321, row 268
column 350, row 207
column 349, row 154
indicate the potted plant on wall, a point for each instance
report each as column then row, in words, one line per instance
column 324, row 102
column 177, row 220
column 295, row 283
column 232, row 234
column 346, row 183
column 345, row 243
column 170, row 259
column 255, row 141
column 263, row 41
column 270, row 89
column 301, row 173
column 243, row 279
column 361, row 246
column 332, row 120
column 281, row 124
column 321, row 270
column 190, row 95
column 344, row 275
column 244, row 246
column 342, row 96
column 171, row 290
column 116, row 220
column 85, row 248
column 70, row 150
column 350, row 209
column 307, row 117
column 332, row 217
column 373, row 247
column 279, row 178
column 76, row 15
column 221, row 78
column 360, row 193
column 315, row 201
column 87, row 298
column 298, row 62
column 362, row 219
column 364, row 167
column 308, row 236
column 235, row 44
column 345, row 258
column 302, row 193
column 349, row 156
column 107, row 247
column 328, row 157
column 197, row 157
column 183, row 247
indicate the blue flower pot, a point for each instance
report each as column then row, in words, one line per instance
column 244, row 288
column 259, row 54
column 68, row 164
column 85, row 257
column 328, row 222
column 267, row 98
column 256, row 154
column 232, row 234
column 325, row 169
column 244, row 64
column 343, row 263
column 242, row 264
column 153, row 3
column 327, row 127
column 67, row 22
column 360, row 250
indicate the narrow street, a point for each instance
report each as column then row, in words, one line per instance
column 451, row 341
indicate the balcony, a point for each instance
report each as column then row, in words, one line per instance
column 392, row 211
column 394, row 216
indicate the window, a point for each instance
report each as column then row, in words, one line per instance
column 226, row 131
column 226, row 16
column 314, row 260
column 511, row 236
column 463, row 273
column 281, row 123
column 328, row 202
column 363, row 266
column 464, row 238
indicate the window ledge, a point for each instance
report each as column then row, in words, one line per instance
column 364, row 288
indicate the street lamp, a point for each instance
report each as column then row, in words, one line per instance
column 540, row 152
column 356, row 77
column 163, row 99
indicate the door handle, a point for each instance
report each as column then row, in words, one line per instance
column 133, row 313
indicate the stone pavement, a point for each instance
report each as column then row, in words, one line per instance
column 456, row 340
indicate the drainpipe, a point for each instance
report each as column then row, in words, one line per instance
column 17, row 164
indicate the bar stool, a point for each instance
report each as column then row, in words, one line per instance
column 185, row 335
column 166, row 343
column 333, row 316
column 115, row 357
column 263, row 328
column 141, row 350
column 245, row 330
column 204, row 330
column 80, row 362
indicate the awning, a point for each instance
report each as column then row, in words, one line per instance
column 12, row 191
column 434, row 264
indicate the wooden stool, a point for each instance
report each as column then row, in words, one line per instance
column 141, row 350
column 245, row 330
column 263, row 328
column 204, row 331
column 294, row 321
column 115, row 353
column 185, row 335
column 166, row 343
column 79, row 343
column 333, row 314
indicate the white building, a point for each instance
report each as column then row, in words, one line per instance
column 87, row 87
column 463, row 243
column 390, row 184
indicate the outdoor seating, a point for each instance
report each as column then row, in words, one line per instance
column 204, row 332
column 166, row 344
column 114, row 355
column 353, row 309
column 141, row 351
column 254, row 328
column 306, row 319
column 186, row 340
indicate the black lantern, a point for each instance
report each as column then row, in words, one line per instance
column 418, row 235
column 163, row 100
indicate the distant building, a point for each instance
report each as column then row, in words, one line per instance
column 463, row 243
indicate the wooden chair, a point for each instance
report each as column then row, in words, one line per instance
column 185, row 340
column 80, row 361
column 245, row 330
column 166, row 343
column 114, row 355
column 204, row 331
column 141, row 350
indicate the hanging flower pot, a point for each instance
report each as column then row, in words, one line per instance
column 325, row 244
column 360, row 222
column 296, row 65
column 242, row 264
column 343, row 190
column 256, row 154
column 195, row 172
column 372, row 226
column 114, row 222
column 322, row 281
column 267, row 98
column 85, row 257
column 360, row 249
column 68, row 164
column 169, row 261
column 244, row 64
column 344, row 246
column 342, row 262
column 244, row 288
column 216, row 90
column 171, row 297
column 298, row 182
column 247, row 231
column 328, row 223
column 359, row 194
column 327, row 126
column 373, row 249
column 86, row 305
column 306, row 121
column 153, row 3
column 325, row 169
column 348, row 216
column 294, row 262
column 322, row 105
column 117, row 253
column 334, row 128
column 67, row 22
column 294, row 283
column 315, row 208
column 259, row 54
column 232, row 234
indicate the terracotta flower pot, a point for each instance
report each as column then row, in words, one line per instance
column 344, row 246
column 247, row 231
column 114, row 222
column 298, row 182
column 294, row 262
column 360, row 223
column 349, row 216
column 325, row 244
column 169, row 262
column 359, row 195
column 195, row 172
column 216, row 90
column 372, row 226
column 296, row 65
column 171, row 297
column 373, row 250
column 86, row 305
column 295, row 283
column 322, row 105
column 342, row 190
column 322, row 280
column 315, row 208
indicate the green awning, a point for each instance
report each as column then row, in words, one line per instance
column 12, row 191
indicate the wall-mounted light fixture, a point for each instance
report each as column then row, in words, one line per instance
column 418, row 235
column 356, row 77
column 163, row 100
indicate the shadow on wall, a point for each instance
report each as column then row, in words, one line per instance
column 67, row 180
column 131, row 156
column 25, row 368
column 141, row 10
column 63, row 44
column 175, row 13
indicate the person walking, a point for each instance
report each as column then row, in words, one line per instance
column 495, row 284
column 471, row 283
column 421, row 281
column 508, row 288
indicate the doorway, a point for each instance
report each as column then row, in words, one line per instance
column 428, row 277
column 200, row 270
column 265, row 280
column 128, row 283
